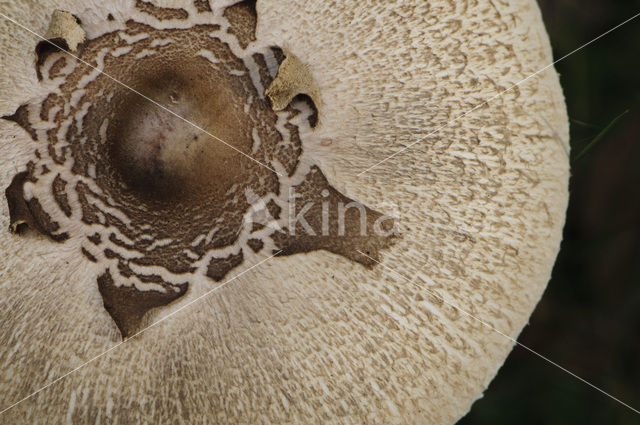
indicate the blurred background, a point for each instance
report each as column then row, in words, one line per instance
column 589, row 318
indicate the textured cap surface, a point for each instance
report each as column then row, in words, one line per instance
column 319, row 336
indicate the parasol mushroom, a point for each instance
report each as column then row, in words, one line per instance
column 159, row 154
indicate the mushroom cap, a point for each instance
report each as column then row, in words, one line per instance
column 318, row 337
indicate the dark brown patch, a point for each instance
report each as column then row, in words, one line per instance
column 21, row 117
column 47, row 105
column 57, row 67
column 127, row 305
column 257, row 226
column 60, row 195
column 313, row 118
column 265, row 76
column 243, row 19
column 110, row 17
column 29, row 213
column 202, row 5
column 278, row 53
column 89, row 256
column 95, row 239
column 274, row 209
column 255, row 244
column 219, row 267
column 161, row 13
column 44, row 223
column 356, row 233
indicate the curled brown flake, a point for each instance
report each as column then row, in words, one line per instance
column 19, row 213
column 23, row 213
column 65, row 33
column 293, row 79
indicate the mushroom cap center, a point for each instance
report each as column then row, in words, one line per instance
column 182, row 139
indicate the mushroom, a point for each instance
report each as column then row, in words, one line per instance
column 160, row 154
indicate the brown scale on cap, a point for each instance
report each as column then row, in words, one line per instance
column 159, row 201
column 242, row 19
column 161, row 13
column 202, row 5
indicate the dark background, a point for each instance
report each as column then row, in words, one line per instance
column 589, row 318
